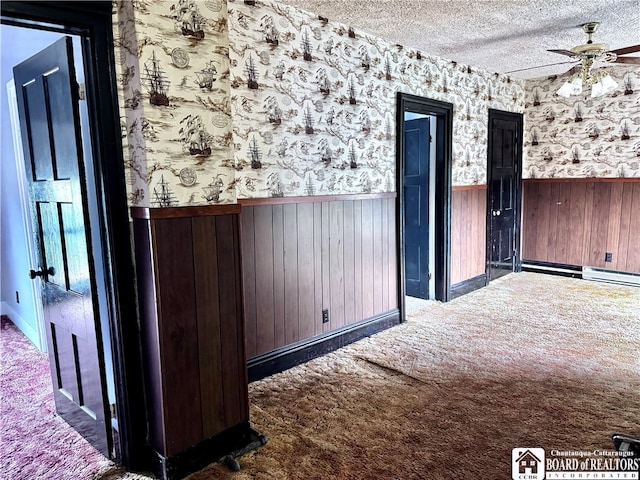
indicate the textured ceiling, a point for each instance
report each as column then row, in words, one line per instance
column 497, row 35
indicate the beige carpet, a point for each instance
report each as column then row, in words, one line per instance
column 530, row 361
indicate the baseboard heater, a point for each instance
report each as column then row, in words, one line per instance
column 574, row 271
column 611, row 276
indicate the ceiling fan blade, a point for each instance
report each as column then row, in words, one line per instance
column 624, row 51
column 563, row 52
column 539, row 66
column 632, row 60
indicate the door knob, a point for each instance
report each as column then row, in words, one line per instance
column 41, row 273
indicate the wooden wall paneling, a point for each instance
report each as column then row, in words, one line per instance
column 377, row 255
column 208, row 323
column 325, row 255
column 349, row 228
column 393, row 255
column 178, row 333
column 481, row 224
column 336, row 264
column 231, row 329
column 529, row 219
column 309, row 256
column 367, row 259
column 563, row 213
column 306, row 271
column 318, row 270
column 240, row 350
column 542, row 225
column 613, row 232
column 265, row 311
column 456, row 236
column 384, row 235
column 357, row 260
column 291, row 310
column 279, row 275
column 249, row 279
column 466, row 233
column 577, row 223
column 585, row 219
column 633, row 252
column 150, row 335
column 552, row 238
column 586, row 230
column 625, row 226
column 599, row 224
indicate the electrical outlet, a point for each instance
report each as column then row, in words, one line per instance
column 325, row 316
column 608, row 257
column 17, row 297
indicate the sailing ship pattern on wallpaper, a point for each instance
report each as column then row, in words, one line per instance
column 188, row 19
column 206, row 76
column 273, row 111
column 270, row 31
column 600, row 127
column 254, row 154
column 194, row 137
column 252, row 73
column 306, row 47
column 340, row 88
column 163, row 196
column 156, row 81
column 211, row 192
column 241, row 42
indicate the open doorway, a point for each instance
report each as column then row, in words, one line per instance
column 54, row 166
column 84, row 28
column 424, row 197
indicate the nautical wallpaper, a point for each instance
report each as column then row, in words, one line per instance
column 176, row 118
column 301, row 106
column 579, row 136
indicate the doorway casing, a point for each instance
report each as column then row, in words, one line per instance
column 504, row 192
column 92, row 21
column 443, row 113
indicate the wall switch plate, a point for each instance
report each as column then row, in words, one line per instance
column 325, row 316
column 608, row 257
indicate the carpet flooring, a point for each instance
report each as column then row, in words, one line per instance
column 35, row 443
column 529, row 361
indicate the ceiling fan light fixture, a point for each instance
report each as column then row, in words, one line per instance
column 604, row 85
column 573, row 86
column 608, row 83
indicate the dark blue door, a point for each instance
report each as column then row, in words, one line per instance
column 416, row 207
column 48, row 101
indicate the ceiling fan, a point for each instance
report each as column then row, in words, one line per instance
column 587, row 54
column 591, row 52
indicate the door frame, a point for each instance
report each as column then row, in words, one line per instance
column 517, row 217
column 443, row 111
column 93, row 22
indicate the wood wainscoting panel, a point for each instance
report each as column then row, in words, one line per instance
column 180, row 363
column 468, row 232
column 577, row 222
column 301, row 258
column 194, row 356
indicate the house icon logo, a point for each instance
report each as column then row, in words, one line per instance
column 527, row 463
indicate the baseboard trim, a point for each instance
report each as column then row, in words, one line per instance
column 611, row 276
column 234, row 441
column 468, row 286
column 29, row 331
column 565, row 270
column 287, row 357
